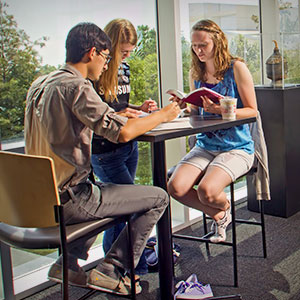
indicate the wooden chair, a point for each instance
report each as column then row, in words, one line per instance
column 32, row 217
column 233, row 242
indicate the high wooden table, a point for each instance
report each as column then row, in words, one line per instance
column 157, row 140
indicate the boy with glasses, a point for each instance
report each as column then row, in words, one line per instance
column 62, row 111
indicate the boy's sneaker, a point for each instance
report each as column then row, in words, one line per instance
column 221, row 225
column 192, row 289
column 99, row 281
column 74, row 278
column 128, row 280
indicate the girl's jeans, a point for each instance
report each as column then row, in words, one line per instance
column 119, row 167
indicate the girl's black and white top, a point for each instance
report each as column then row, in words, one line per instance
column 100, row 144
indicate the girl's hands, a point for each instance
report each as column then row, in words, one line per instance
column 210, row 106
column 129, row 113
column 149, row 106
column 181, row 103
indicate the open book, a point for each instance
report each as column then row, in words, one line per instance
column 194, row 96
column 177, row 123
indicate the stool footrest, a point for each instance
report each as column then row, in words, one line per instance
column 243, row 221
column 204, row 238
column 87, row 295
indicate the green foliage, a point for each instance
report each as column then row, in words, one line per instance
column 284, row 4
column 144, row 85
column 144, row 171
column 19, row 62
column 46, row 69
column 146, row 41
column 144, row 80
column 143, row 67
column 293, row 64
column 137, row 82
column 248, row 50
column 186, row 61
column 12, row 103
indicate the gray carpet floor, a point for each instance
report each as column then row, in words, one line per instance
column 274, row 277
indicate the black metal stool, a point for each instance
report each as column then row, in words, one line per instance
column 233, row 243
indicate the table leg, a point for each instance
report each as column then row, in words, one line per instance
column 164, row 236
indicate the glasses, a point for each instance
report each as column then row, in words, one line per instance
column 106, row 56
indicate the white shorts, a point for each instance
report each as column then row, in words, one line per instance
column 235, row 162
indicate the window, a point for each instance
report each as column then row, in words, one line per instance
column 289, row 41
column 238, row 19
column 43, row 26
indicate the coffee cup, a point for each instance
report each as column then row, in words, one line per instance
column 228, row 108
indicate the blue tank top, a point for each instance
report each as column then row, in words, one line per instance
column 237, row 137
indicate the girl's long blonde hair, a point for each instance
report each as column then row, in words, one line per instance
column 120, row 31
column 222, row 56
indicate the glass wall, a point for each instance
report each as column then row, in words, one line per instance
column 280, row 26
column 33, row 37
column 289, row 41
column 238, row 19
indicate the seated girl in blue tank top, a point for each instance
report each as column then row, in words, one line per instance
column 218, row 157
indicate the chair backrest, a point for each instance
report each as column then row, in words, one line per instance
column 28, row 190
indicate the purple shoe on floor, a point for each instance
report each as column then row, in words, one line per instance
column 192, row 289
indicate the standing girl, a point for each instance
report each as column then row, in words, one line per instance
column 117, row 163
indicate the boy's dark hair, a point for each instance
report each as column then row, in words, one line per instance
column 81, row 38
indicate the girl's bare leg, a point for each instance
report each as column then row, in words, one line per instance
column 209, row 196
